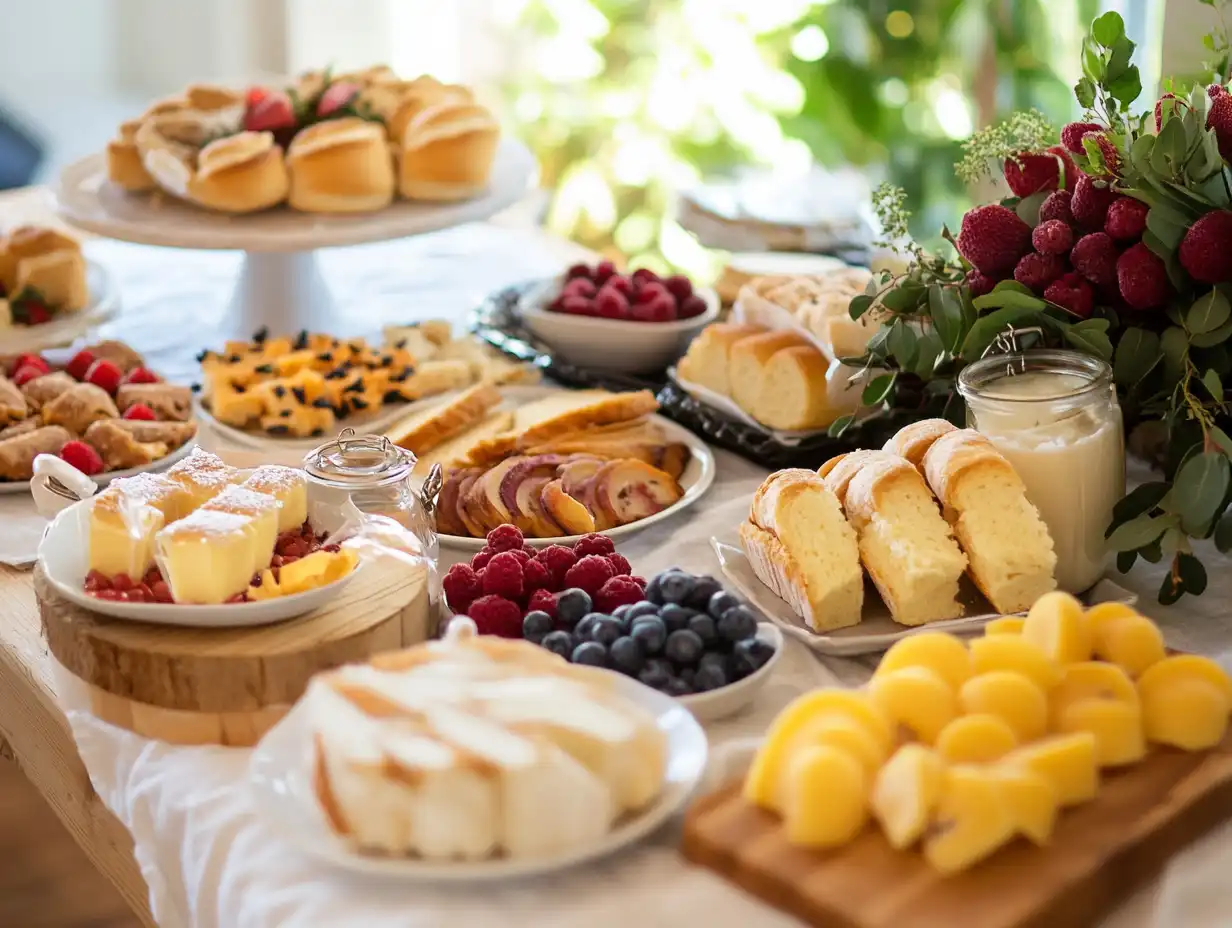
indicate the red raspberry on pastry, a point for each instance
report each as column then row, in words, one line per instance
column 272, row 112
column 535, row 575
column 32, row 360
column 140, row 411
column 83, row 457
column 25, row 374
column 543, row 601
column 480, row 560
column 105, row 375
column 79, row 366
column 505, row 538
column 141, row 375
column 589, row 573
column 495, row 615
column 620, row 564
column 336, row 96
column 619, row 591
column 462, row 587
column 594, row 543
column 504, row 576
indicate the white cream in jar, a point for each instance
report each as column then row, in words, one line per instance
column 1055, row 417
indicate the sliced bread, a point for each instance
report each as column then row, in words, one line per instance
column 707, row 361
column 749, row 357
column 424, row 431
column 605, row 410
column 455, row 449
column 1011, row 553
column 793, row 394
column 913, row 441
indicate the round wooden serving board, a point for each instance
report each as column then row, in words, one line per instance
column 227, row 686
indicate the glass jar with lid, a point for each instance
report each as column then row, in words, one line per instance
column 1054, row 415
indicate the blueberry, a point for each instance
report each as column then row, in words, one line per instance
column 558, row 643
column 703, row 589
column 675, row 587
column 627, row 656
column 687, row 675
column 654, row 676
column 713, row 659
column 684, row 647
column 677, row 687
column 703, row 626
column 660, row 665
column 710, row 677
column 637, row 610
column 748, row 656
column 622, row 612
column 676, row 617
column 650, row 632
column 536, row 625
column 653, row 594
column 719, row 603
column 606, row 630
column 571, row 605
column 590, row 653
column 738, row 623
column 586, row 626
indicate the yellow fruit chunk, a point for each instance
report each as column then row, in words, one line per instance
column 916, row 700
column 943, row 654
column 1031, row 798
column 1010, row 696
column 1188, row 714
column 1058, row 626
column 796, row 726
column 1006, row 625
column 825, row 802
column 975, row 739
column 845, row 733
column 906, row 792
column 1100, row 613
column 1186, row 667
column 1090, row 680
column 1068, row 762
column 1010, row 652
column 972, row 820
column 1132, row 642
column 1116, row 725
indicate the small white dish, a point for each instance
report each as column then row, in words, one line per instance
column 280, row 787
column 27, row 486
column 616, row 345
column 713, row 705
column 67, row 327
column 877, row 631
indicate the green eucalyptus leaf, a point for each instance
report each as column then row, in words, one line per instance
column 1090, row 340
column 1221, row 440
column 839, row 426
column 859, row 305
column 1028, row 208
column 1208, row 312
column 1140, row 152
column 1173, row 540
column 1118, row 61
column 1193, row 574
column 1125, row 561
column 1160, row 223
column 1138, row 501
column 1214, row 337
column 1152, row 553
column 1084, row 92
column 1108, row 29
column 1223, row 534
column 1128, row 87
column 1137, row 352
column 1138, row 532
column 903, row 298
column 1092, row 60
column 1213, row 384
column 877, row 390
column 1010, row 299
column 987, row 328
column 876, row 346
column 1011, row 285
column 1175, row 347
column 928, row 350
column 902, row 345
column 945, row 308
column 1199, row 490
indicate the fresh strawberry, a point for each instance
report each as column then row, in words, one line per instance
column 140, row 375
column 32, row 360
column 1071, row 135
column 271, row 113
column 337, row 95
column 993, row 238
column 25, row 374
column 1143, row 278
column 106, row 375
column 1220, row 119
column 79, row 366
column 1032, row 173
column 85, row 459
column 37, row 314
column 140, row 411
column 1205, row 248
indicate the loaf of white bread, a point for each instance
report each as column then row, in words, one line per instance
column 820, row 303
column 476, row 747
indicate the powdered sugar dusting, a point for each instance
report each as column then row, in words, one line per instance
column 207, row 523
column 149, row 489
column 273, row 479
column 241, row 499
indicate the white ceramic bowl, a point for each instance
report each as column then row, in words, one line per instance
column 728, row 700
column 616, row 345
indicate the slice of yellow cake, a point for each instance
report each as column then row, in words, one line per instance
column 289, row 486
column 124, row 518
column 207, row 556
column 203, row 475
column 263, row 512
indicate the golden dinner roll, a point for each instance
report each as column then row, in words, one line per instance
column 340, row 166
column 417, row 96
column 447, row 152
column 241, row 173
column 124, row 165
column 169, row 161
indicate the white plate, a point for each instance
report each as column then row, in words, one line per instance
column 64, row 556
column 695, row 481
column 63, row 330
column 281, row 792
column 23, row 486
column 877, row 631
column 713, row 705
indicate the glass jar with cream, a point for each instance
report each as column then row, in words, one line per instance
column 1055, row 417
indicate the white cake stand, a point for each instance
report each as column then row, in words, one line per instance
column 280, row 285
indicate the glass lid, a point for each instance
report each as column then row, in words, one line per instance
column 354, row 462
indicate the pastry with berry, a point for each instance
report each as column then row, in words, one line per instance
column 42, row 276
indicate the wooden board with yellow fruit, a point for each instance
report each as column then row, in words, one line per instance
column 1029, row 777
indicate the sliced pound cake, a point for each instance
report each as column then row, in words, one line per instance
column 802, row 548
column 1010, row 550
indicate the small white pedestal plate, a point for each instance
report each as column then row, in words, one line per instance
column 280, row 285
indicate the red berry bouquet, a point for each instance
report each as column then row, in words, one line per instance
column 1117, row 241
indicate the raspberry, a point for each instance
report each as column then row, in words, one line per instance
column 611, row 304
column 1052, row 238
column 1038, row 271
column 580, row 286
column 644, row 275
column 993, row 238
column 1090, row 202
column 1205, row 248
column 1073, row 293
column 1056, row 206
column 495, row 615
column 542, row 600
column 32, row 360
column 578, row 271
column 618, row 591
column 83, row 457
column 503, row 575
column 620, row 564
column 140, row 411
column 577, row 306
column 141, row 375
column 692, row 306
column 480, row 560
column 1031, row 173
column 105, row 375
column 1126, row 220
column 535, row 575
column 603, row 271
column 621, row 284
column 660, row 309
column 640, row 581
column 80, row 363
column 1095, row 258
column 652, row 291
column 1215, row 91
column 1143, row 278
column 679, row 286
column 505, row 538
column 462, row 587
column 978, row 283
column 1171, row 104
column 594, row 543
column 25, row 374
column 520, row 554
column 589, row 573
column 1071, row 135
column 1220, row 119
column 557, row 559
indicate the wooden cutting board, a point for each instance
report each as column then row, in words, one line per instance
column 1099, row 853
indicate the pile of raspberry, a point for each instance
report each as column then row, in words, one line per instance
column 508, row 579
column 642, row 296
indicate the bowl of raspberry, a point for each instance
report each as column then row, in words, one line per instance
column 598, row 318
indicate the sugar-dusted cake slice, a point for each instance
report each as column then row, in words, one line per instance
column 207, row 557
column 124, row 518
column 203, row 475
column 263, row 510
column 289, row 486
